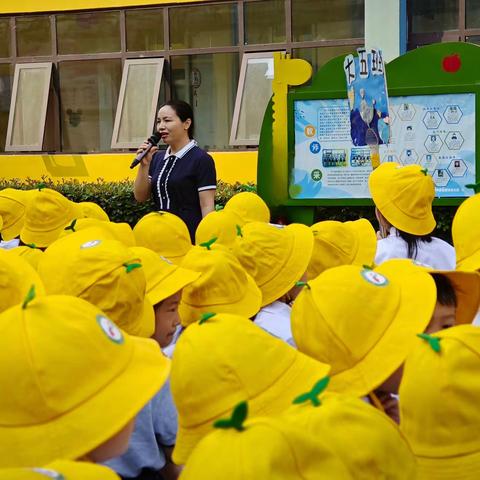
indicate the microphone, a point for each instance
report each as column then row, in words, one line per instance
column 153, row 140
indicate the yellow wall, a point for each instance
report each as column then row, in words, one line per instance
column 231, row 166
column 29, row 6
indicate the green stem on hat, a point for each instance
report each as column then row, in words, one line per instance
column 303, row 284
column 434, row 342
column 205, row 317
column 41, row 186
column 31, row 245
column 30, row 296
column 131, row 266
column 239, row 415
column 424, row 171
column 239, row 231
column 368, row 267
column 72, row 225
column 218, row 207
column 208, row 244
column 474, row 186
column 313, row 394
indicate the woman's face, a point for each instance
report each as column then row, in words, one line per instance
column 170, row 126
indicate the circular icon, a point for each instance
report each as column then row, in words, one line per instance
column 49, row 473
column 91, row 244
column 310, row 131
column 374, row 278
column 315, row 147
column 110, row 329
column 316, row 175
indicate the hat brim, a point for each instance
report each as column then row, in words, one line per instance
column 173, row 283
column 464, row 467
column 470, row 263
column 147, row 322
column 367, row 241
column 295, row 266
column 417, row 303
column 298, row 379
column 86, row 426
column 248, row 306
column 13, row 230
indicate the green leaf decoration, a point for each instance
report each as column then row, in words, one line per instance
column 239, row 231
column 303, row 284
column 30, row 296
column 424, row 171
column 239, row 416
column 205, row 317
column 208, row 244
column 474, row 186
column 313, row 394
column 31, row 245
column 131, row 266
column 72, row 225
column 41, row 186
column 368, row 267
column 218, row 207
column 434, row 342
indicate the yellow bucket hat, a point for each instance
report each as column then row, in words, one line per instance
column 466, row 234
column 13, row 204
column 61, row 470
column 440, row 394
column 216, row 365
column 248, row 207
column 103, row 272
column 362, row 322
column 29, row 253
column 404, row 196
column 366, row 440
column 341, row 243
column 275, row 257
column 164, row 278
column 45, row 217
column 16, row 278
column 92, row 210
column 223, row 287
column 220, row 225
column 263, row 448
column 164, row 233
column 72, row 377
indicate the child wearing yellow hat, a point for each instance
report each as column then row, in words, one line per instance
column 223, row 359
column 403, row 199
column 221, row 225
column 440, row 395
column 363, row 323
column 276, row 258
column 30, row 253
column 93, row 210
column 13, row 204
column 73, row 378
column 165, row 234
column 248, row 207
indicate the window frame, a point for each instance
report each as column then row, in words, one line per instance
column 160, row 63
column 37, row 147
column 234, row 140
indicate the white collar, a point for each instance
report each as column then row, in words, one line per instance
column 192, row 143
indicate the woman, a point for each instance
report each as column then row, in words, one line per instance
column 403, row 199
column 182, row 179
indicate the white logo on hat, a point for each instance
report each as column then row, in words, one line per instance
column 49, row 473
column 374, row 278
column 110, row 329
column 91, row 243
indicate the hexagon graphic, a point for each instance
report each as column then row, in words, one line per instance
column 390, row 157
column 441, row 177
column 429, row 161
column 454, row 140
column 432, row 120
column 457, row 168
column 391, row 115
column 409, row 156
column 406, row 112
column 433, row 143
column 452, row 114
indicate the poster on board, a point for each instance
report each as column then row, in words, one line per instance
column 435, row 131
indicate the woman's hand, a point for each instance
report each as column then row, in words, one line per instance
column 146, row 160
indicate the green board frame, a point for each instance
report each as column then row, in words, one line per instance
column 418, row 72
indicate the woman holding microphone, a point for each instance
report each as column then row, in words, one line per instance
column 181, row 180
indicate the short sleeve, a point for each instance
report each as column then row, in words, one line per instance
column 206, row 173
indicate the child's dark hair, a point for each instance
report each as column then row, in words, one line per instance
column 184, row 112
column 412, row 242
column 445, row 291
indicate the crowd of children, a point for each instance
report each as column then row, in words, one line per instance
column 261, row 352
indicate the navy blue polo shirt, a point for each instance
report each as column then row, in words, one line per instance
column 177, row 180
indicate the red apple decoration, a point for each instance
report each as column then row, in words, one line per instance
column 452, row 63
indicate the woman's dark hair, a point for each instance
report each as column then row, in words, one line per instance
column 445, row 291
column 412, row 242
column 184, row 112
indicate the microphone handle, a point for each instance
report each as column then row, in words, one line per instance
column 140, row 156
